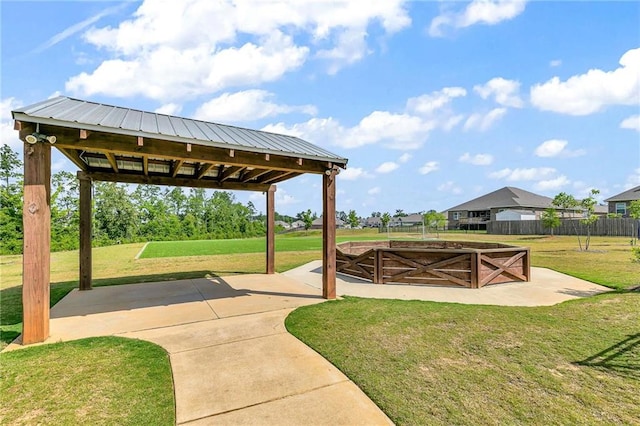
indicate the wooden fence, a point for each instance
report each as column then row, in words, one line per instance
column 612, row 227
column 448, row 263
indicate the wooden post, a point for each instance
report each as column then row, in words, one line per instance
column 271, row 195
column 329, row 235
column 475, row 258
column 85, row 231
column 526, row 264
column 36, row 218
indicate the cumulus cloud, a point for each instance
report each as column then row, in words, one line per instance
column 228, row 44
column 373, row 191
column 429, row 167
column 8, row 136
column 555, row 63
column 354, row 173
column 169, row 109
column 534, row 173
column 404, row 158
column 504, row 92
column 246, row 105
column 632, row 123
column 593, row 91
column 487, row 12
column 449, row 187
column 406, row 130
column 557, row 148
column 387, row 167
column 484, row 122
column 552, row 184
column 476, row 160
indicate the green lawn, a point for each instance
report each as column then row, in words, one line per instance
column 284, row 243
column 429, row 363
column 97, row 381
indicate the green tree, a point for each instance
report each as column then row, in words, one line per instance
column 567, row 202
column 116, row 216
column 550, row 219
column 434, row 220
column 353, row 219
column 10, row 165
column 307, row 218
column 65, row 216
column 589, row 206
column 385, row 219
column 11, row 229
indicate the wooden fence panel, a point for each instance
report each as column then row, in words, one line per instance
column 612, row 227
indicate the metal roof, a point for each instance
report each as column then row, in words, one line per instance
column 505, row 197
column 81, row 114
column 629, row 195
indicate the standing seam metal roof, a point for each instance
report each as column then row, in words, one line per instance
column 77, row 113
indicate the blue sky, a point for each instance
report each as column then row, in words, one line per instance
column 434, row 103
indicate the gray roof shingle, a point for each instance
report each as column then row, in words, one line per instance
column 628, row 195
column 505, row 197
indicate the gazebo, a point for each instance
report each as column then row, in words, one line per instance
column 116, row 144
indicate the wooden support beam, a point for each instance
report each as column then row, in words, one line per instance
column 85, row 232
column 112, row 160
column 145, row 165
column 176, row 167
column 73, row 155
column 329, row 235
column 228, row 172
column 273, row 176
column 204, row 168
column 284, row 177
column 255, row 173
column 84, row 134
column 271, row 229
column 36, row 217
column 178, row 181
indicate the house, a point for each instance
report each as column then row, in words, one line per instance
column 297, row 224
column 409, row 220
column 372, row 222
column 619, row 204
column 317, row 223
column 516, row 215
column 476, row 213
column 282, row 223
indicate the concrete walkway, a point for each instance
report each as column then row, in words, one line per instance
column 546, row 287
column 232, row 359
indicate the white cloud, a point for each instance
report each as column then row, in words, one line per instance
column 404, row 158
column 534, row 173
column 476, row 160
column 556, row 148
column 373, row 191
column 633, row 179
column 449, row 187
column 169, row 109
column 8, row 136
column 428, row 167
column 552, row 184
column 632, row 123
column 555, row 63
column 483, row 122
column 247, row 105
column 387, row 167
column 505, row 92
column 488, row 12
column 354, row 173
column 153, row 56
column 429, row 103
column 593, row 91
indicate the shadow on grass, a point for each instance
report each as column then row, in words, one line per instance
column 623, row 358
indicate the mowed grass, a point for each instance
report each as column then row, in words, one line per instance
column 97, row 381
column 283, row 243
column 427, row 363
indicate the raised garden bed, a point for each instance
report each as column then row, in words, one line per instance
column 447, row 263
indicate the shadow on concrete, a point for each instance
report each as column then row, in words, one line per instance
column 579, row 293
column 622, row 358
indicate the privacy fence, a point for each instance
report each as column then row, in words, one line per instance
column 612, row 227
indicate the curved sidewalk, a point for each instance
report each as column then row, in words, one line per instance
column 232, row 359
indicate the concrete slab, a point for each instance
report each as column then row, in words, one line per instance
column 339, row 404
column 546, row 287
column 232, row 376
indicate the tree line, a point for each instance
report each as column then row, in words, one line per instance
column 123, row 215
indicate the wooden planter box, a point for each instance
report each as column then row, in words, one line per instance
column 447, row 263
